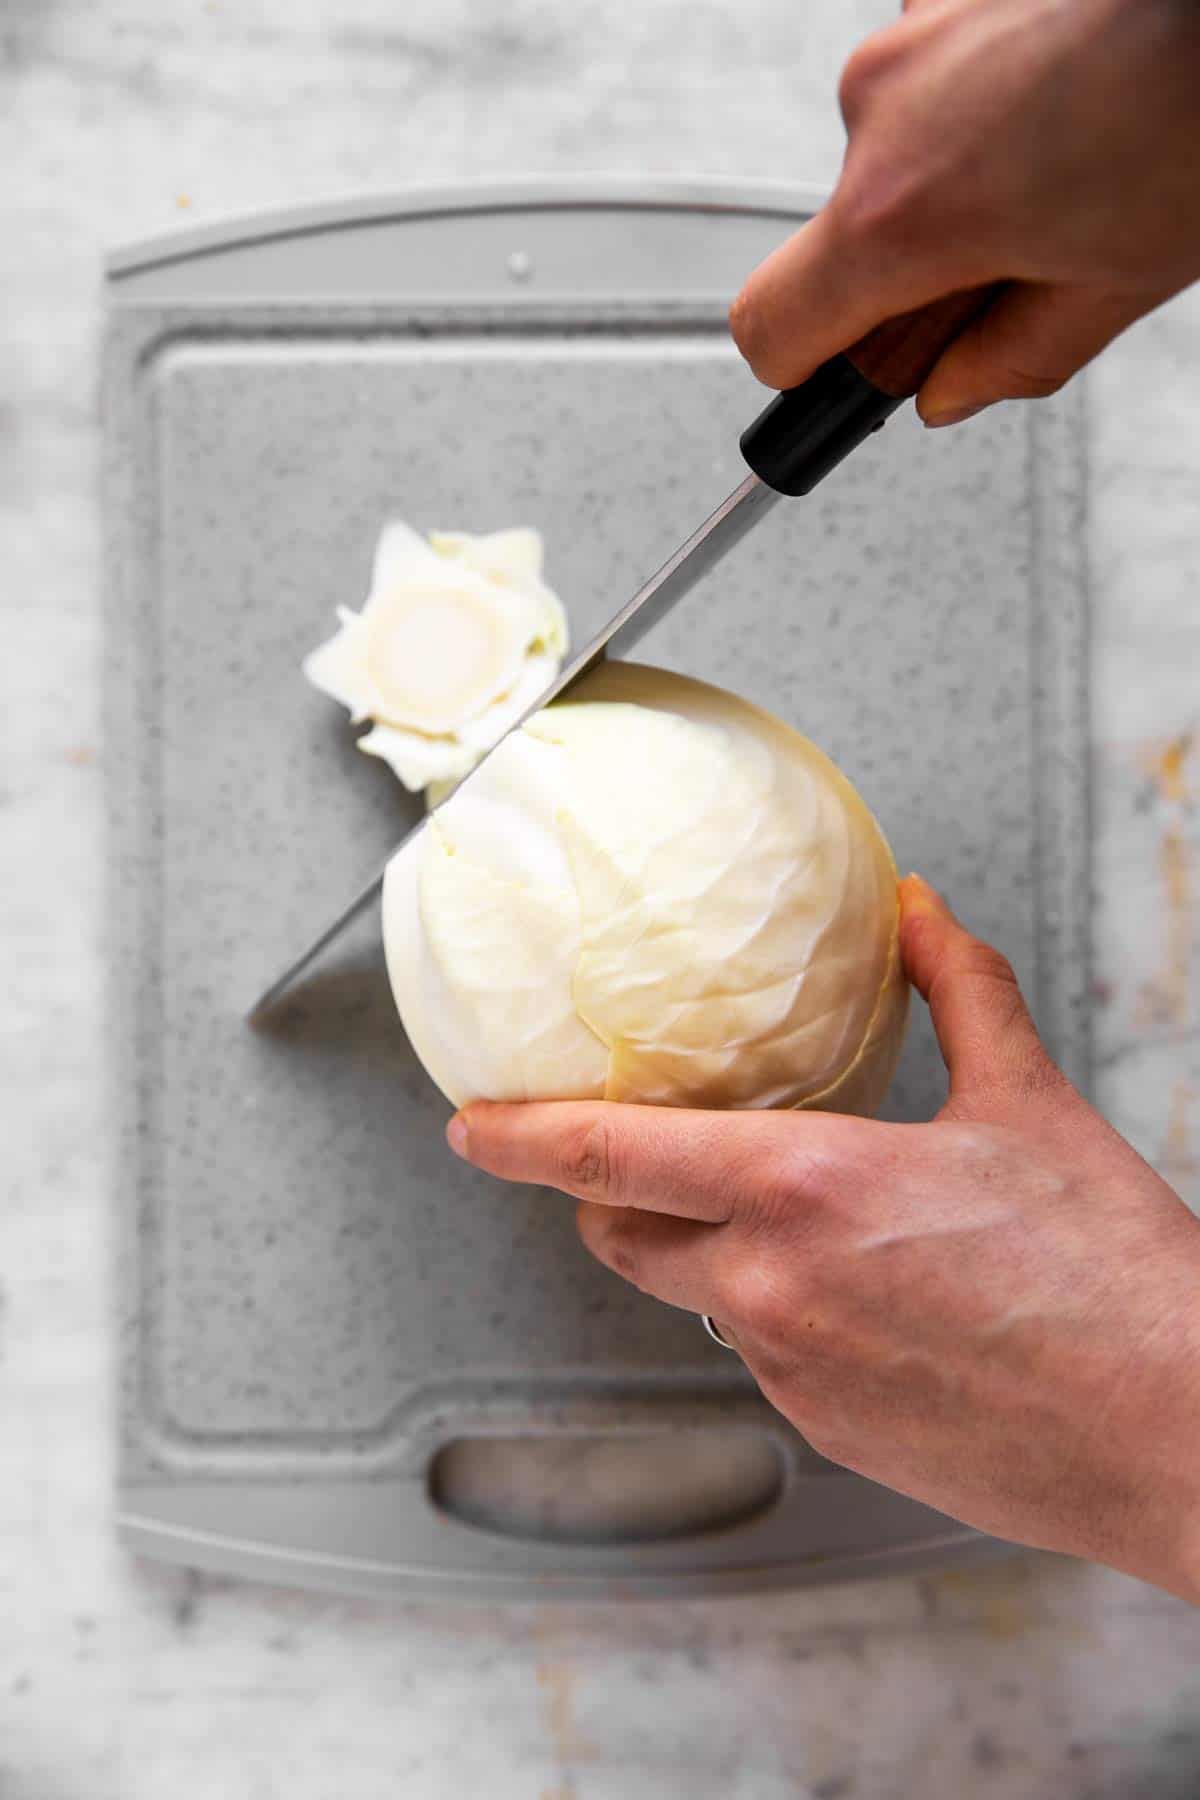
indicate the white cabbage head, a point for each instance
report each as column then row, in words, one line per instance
column 652, row 892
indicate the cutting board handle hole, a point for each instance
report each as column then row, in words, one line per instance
column 613, row 1488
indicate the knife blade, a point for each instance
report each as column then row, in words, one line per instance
column 793, row 443
column 693, row 560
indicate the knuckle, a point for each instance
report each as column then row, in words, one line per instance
column 761, row 1190
column 586, row 1161
column 985, row 969
column 876, row 204
column 755, row 1298
column 806, row 1186
column 851, row 84
column 863, row 71
column 741, row 322
column 920, row 937
column 783, row 1203
column 984, row 962
column 621, row 1253
column 750, row 331
column 607, row 1234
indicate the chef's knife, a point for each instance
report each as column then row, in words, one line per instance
column 792, row 445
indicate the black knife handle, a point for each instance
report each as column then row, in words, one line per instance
column 806, row 431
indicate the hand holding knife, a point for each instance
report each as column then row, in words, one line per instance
column 797, row 439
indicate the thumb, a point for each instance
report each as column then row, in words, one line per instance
column 820, row 292
column 986, row 1035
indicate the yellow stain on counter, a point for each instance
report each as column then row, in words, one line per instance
column 1179, row 1163
column 1167, row 999
column 1170, row 765
column 999, row 1602
column 569, row 1744
column 1004, row 1601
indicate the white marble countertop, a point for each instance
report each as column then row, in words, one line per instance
column 121, row 1681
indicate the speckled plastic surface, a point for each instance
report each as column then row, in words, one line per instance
column 317, row 1295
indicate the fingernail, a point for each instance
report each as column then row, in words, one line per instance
column 456, row 1135
column 955, row 416
column 919, row 897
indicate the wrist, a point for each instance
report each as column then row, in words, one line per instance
column 1184, row 1458
column 1164, row 1523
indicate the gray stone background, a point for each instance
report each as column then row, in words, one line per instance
column 1037, row 1678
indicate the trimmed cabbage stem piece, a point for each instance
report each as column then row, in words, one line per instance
column 458, row 637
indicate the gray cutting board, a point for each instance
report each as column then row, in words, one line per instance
column 318, row 1299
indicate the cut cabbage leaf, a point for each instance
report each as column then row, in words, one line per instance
column 489, row 895
column 513, row 948
column 421, row 762
column 339, row 667
column 458, row 637
column 512, row 557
